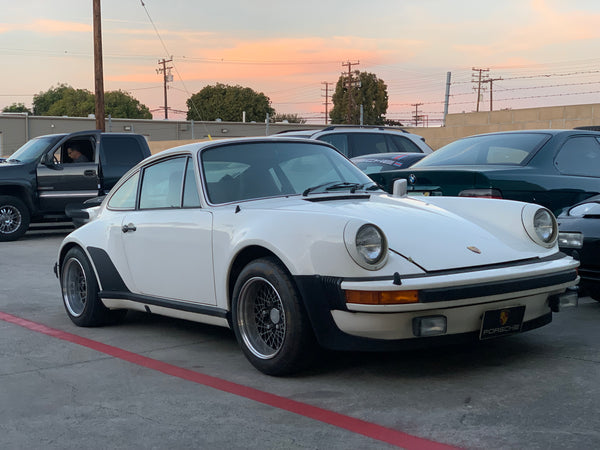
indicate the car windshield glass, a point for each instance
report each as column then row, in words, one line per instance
column 33, row 149
column 511, row 149
column 243, row 171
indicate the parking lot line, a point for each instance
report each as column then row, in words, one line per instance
column 368, row 429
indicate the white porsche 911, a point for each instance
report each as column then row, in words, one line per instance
column 292, row 246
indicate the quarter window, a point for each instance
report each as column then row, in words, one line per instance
column 191, row 198
column 579, row 156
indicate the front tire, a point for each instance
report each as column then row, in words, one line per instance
column 80, row 291
column 14, row 218
column 269, row 320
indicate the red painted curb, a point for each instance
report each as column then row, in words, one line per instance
column 358, row 426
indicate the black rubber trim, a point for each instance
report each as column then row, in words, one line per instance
column 338, row 197
column 495, row 288
column 110, row 279
column 167, row 303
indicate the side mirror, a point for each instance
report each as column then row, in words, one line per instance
column 49, row 161
column 399, row 189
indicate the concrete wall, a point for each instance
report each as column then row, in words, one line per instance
column 468, row 124
column 16, row 129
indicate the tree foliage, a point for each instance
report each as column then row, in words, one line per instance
column 228, row 103
column 120, row 104
column 65, row 100
column 16, row 108
column 367, row 90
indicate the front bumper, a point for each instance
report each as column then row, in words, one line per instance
column 459, row 297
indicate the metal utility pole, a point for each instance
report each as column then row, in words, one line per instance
column 447, row 100
column 326, row 101
column 98, row 70
column 478, row 73
column 350, row 83
column 166, row 71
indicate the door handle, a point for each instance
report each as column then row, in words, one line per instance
column 128, row 227
column 89, row 173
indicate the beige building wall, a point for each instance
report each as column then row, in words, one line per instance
column 16, row 129
column 467, row 124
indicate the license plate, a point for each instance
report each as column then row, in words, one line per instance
column 500, row 322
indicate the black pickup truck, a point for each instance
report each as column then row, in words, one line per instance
column 41, row 178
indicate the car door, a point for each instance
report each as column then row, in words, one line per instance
column 167, row 240
column 60, row 180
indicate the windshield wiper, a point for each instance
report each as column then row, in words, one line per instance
column 332, row 185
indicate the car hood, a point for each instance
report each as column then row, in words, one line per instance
column 439, row 234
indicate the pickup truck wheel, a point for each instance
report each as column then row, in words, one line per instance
column 80, row 291
column 14, row 218
column 269, row 320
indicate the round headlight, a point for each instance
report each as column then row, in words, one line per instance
column 540, row 225
column 370, row 243
column 543, row 223
column 366, row 244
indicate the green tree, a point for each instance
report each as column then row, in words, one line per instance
column 120, row 104
column 291, row 118
column 64, row 100
column 16, row 108
column 366, row 90
column 228, row 103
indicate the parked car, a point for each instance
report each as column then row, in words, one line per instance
column 376, row 163
column 553, row 168
column 354, row 140
column 579, row 237
column 292, row 246
column 41, row 178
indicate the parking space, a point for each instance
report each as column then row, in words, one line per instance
column 153, row 382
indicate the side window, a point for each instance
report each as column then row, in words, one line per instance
column 162, row 184
column 120, row 151
column 338, row 140
column 80, row 150
column 401, row 144
column 579, row 156
column 191, row 199
column 367, row 143
column 124, row 197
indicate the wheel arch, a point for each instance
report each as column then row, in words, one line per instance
column 241, row 260
column 20, row 192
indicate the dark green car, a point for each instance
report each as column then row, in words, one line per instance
column 553, row 168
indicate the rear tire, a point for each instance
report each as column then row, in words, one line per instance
column 269, row 320
column 14, row 218
column 80, row 292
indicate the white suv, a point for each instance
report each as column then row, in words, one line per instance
column 355, row 141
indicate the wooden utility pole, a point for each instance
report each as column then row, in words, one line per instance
column 350, row 83
column 326, row 101
column 479, row 81
column 491, row 81
column 166, row 71
column 98, row 71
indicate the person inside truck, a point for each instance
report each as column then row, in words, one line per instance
column 75, row 154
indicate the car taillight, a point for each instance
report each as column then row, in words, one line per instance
column 484, row 193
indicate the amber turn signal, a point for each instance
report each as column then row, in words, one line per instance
column 382, row 297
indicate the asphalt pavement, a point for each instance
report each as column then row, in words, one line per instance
column 155, row 383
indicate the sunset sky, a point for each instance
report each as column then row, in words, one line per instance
column 545, row 51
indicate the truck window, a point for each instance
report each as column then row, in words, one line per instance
column 120, row 151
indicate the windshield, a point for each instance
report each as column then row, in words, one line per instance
column 33, row 149
column 513, row 149
column 242, row 171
